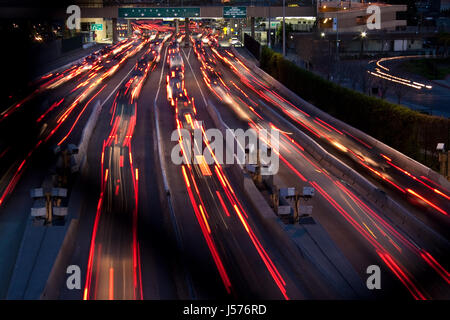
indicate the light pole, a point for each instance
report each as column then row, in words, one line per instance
column 284, row 28
column 322, row 36
column 337, row 39
column 269, row 42
column 363, row 36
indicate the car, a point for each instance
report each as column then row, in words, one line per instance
column 176, row 66
column 92, row 58
column 140, row 67
column 174, row 47
column 185, row 112
column 234, row 41
column 104, row 51
column 213, row 75
column 175, row 88
column 175, row 61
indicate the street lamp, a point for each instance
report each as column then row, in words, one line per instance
column 284, row 28
column 270, row 33
column 322, row 34
column 363, row 36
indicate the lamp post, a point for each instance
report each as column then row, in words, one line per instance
column 337, row 39
column 270, row 36
column 363, row 36
column 284, row 28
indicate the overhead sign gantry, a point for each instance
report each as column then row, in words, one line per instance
column 142, row 13
column 234, row 12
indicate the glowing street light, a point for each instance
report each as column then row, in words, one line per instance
column 363, row 36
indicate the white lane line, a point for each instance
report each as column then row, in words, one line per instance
column 115, row 89
column 166, row 185
column 204, row 99
column 232, row 132
column 158, row 133
column 190, row 67
column 189, row 53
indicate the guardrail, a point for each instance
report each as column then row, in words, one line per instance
column 396, row 156
column 394, row 211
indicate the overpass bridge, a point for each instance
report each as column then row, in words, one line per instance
column 114, row 12
column 202, row 12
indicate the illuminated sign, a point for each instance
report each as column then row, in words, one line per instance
column 142, row 13
column 235, row 12
column 96, row 27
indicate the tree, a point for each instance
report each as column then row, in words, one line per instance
column 357, row 74
column 289, row 29
column 383, row 86
column 443, row 40
column 400, row 91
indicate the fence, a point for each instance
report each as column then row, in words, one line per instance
column 252, row 45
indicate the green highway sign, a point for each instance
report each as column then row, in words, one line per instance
column 96, row 27
column 142, row 13
column 235, row 12
column 274, row 24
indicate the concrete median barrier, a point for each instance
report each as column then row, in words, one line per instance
column 396, row 156
column 399, row 216
column 333, row 266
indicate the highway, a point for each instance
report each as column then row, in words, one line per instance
column 113, row 268
column 214, row 222
column 420, row 94
column 432, row 199
column 254, row 102
column 220, row 257
column 150, row 228
column 20, row 123
column 53, row 113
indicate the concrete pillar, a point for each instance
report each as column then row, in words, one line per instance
column 186, row 26
column 129, row 29
column 252, row 26
column 114, row 30
column 448, row 166
column 177, row 27
column 269, row 39
column 444, row 161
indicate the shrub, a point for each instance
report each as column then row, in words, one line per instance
column 407, row 131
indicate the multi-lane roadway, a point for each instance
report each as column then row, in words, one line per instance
column 153, row 229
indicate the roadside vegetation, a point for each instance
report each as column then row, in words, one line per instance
column 410, row 132
column 432, row 69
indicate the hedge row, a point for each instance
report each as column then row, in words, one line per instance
column 252, row 45
column 408, row 131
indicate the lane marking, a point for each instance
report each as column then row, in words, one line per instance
column 166, row 185
column 190, row 67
